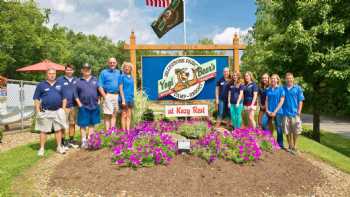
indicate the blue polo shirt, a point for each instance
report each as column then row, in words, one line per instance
column 248, row 92
column 50, row 95
column 68, row 88
column 262, row 95
column 223, row 89
column 87, row 92
column 109, row 80
column 128, row 87
column 293, row 96
column 274, row 96
column 235, row 91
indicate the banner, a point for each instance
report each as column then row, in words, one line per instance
column 181, row 78
column 172, row 16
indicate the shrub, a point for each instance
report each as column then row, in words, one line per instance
column 148, row 115
column 193, row 130
column 140, row 106
column 239, row 146
column 143, row 146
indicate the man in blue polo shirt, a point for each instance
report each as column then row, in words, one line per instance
column 68, row 82
column 49, row 107
column 221, row 96
column 292, row 110
column 87, row 97
column 109, row 81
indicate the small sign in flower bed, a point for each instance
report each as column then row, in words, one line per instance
column 150, row 143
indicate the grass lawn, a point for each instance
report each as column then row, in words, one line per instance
column 328, row 152
column 333, row 149
column 13, row 162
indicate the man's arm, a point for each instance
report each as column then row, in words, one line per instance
column 37, row 105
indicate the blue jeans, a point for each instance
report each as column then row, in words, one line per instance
column 222, row 109
column 265, row 122
column 278, row 125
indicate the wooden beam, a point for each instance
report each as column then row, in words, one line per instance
column 186, row 47
column 133, row 58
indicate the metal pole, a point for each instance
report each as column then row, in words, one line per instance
column 185, row 36
column 21, row 101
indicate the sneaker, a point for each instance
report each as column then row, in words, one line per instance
column 65, row 145
column 60, row 150
column 294, row 151
column 72, row 145
column 41, row 152
column 84, row 145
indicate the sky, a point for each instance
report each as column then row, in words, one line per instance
column 214, row 19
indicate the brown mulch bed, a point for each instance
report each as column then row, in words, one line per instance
column 277, row 174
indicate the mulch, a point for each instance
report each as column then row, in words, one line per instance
column 277, row 174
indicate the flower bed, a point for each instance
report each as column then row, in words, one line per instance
column 239, row 145
column 149, row 143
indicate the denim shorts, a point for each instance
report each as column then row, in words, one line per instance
column 88, row 117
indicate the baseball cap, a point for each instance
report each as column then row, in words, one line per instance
column 86, row 65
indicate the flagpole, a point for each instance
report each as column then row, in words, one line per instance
column 185, row 36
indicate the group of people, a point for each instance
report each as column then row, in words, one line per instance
column 62, row 103
column 279, row 105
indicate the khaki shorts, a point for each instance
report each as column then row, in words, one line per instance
column 48, row 120
column 71, row 115
column 292, row 125
column 250, row 108
column 110, row 104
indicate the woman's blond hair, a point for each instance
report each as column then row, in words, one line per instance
column 262, row 85
column 127, row 64
column 278, row 78
column 251, row 76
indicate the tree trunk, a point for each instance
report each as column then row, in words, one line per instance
column 316, row 113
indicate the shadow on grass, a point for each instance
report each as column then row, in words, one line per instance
column 331, row 140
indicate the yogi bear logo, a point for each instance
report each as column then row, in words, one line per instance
column 184, row 78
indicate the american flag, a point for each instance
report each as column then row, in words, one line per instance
column 158, row 3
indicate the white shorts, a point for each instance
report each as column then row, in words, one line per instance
column 110, row 104
column 292, row 125
column 51, row 120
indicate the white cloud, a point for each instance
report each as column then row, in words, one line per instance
column 226, row 36
column 60, row 5
column 102, row 18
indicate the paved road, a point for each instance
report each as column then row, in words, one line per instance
column 338, row 126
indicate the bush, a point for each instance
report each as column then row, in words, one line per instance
column 193, row 131
column 148, row 115
column 239, row 146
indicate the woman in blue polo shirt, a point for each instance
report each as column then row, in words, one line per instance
column 250, row 93
column 262, row 118
column 275, row 95
column 235, row 98
column 127, row 85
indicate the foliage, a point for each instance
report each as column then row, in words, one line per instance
column 148, row 115
column 1, row 134
column 95, row 141
column 143, row 146
column 140, row 106
column 194, row 130
column 310, row 39
column 26, row 39
column 239, row 145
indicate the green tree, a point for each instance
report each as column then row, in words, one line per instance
column 310, row 39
